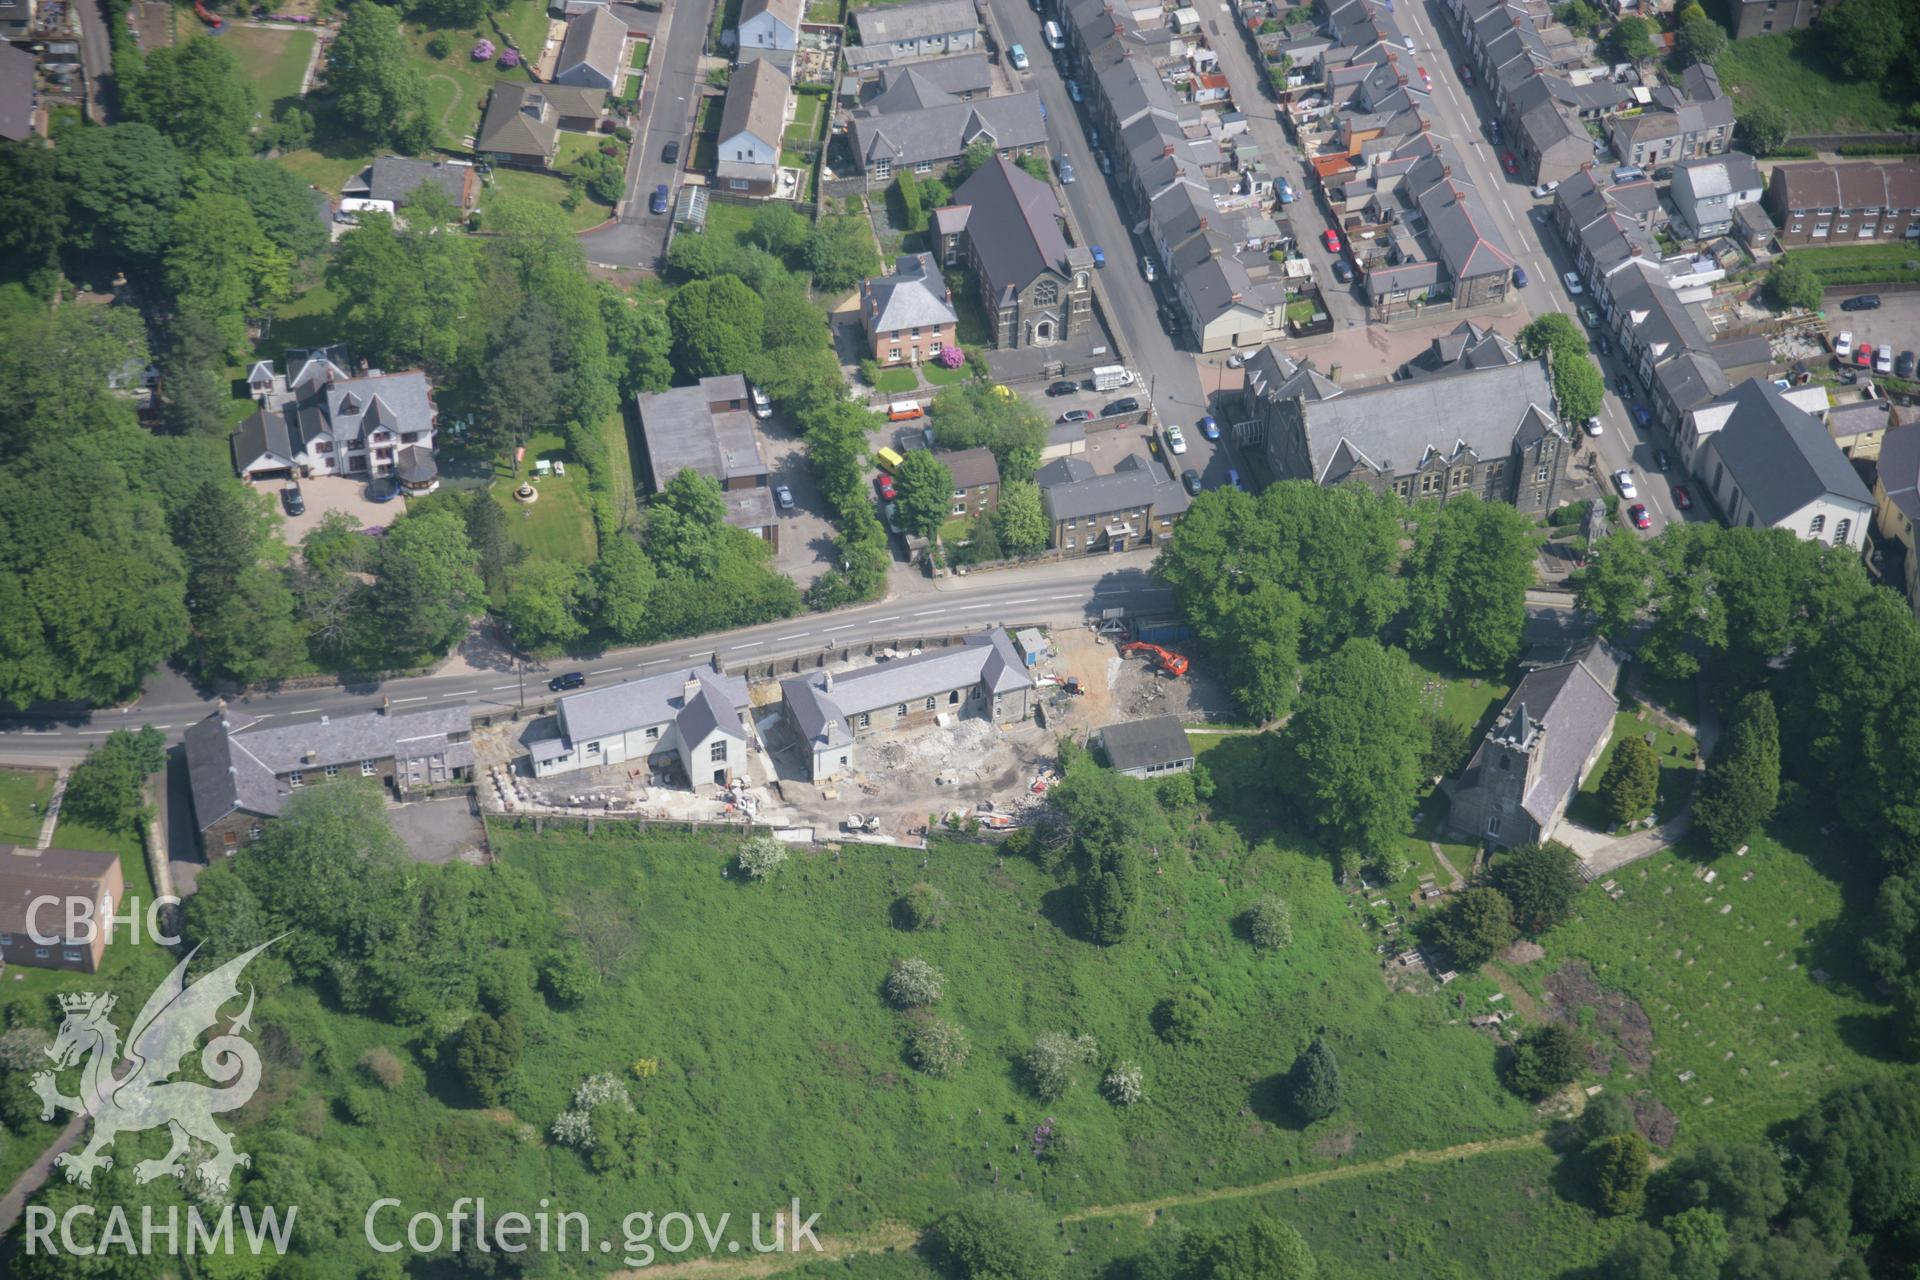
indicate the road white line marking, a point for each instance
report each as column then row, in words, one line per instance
column 93, row 733
column 421, row 698
column 798, row 635
column 1067, row 597
column 601, row 671
column 931, row 612
column 464, row 693
column 163, row 726
column 497, row 688
column 892, row 617
column 1021, row 600
column 848, row 627
column 753, row 645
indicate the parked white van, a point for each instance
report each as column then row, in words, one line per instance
column 1055, row 40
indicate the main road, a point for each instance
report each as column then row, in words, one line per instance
column 1064, row 593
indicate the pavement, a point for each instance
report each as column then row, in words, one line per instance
column 96, row 56
column 664, row 114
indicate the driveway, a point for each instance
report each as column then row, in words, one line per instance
column 334, row 493
column 806, row 532
column 440, row 830
column 664, row 114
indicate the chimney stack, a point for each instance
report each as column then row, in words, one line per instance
column 828, row 685
column 691, row 689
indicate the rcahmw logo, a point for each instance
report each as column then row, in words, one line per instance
column 79, row 925
column 141, row 1095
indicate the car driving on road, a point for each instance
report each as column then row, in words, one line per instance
column 1331, row 239
column 658, row 202
column 1681, row 498
column 1623, row 481
column 1638, row 514
column 1176, row 439
column 1191, row 479
column 571, row 680
column 1064, row 387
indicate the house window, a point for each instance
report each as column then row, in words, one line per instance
column 931, row 702
column 1819, row 523
column 953, row 699
column 843, row 762
column 593, row 748
column 1840, row 532
column 900, row 710
column 254, row 831
column 230, row 839
column 865, row 719
column 653, row 733
column 70, row 955
column 296, row 778
column 1506, row 763
column 1493, row 824
column 883, row 168
column 1429, row 482
column 893, row 353
column 1070, row 544
column 39, row 953
column 924, row 166
column 333, row 771
column 959, row 509
column 366, row 768
column 6, row 939
column 719, row 752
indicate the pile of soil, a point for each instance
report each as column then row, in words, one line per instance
column 1616, row 1019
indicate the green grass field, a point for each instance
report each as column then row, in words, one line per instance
column 896, row 380
column 1751, row 982
column 275, row 60
column 20, row 791
column 1862, row 263
column 522, row 184
column 556, row 526
column 1677, row 771
column 1789, row 71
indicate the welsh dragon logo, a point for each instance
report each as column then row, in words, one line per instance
column 143, row 1096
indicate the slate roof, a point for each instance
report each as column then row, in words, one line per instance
column 1574, row 704
column 1467, row 347
column 1070, row 488
column 1779, row 456
column 787, row 12
column 914, row 296
column 397, row 177
column 234, row 760
column 1144, row 744
column 970, row 467
column 756, row 103
column 519, row 121
column 1858, row 417
column 1890, row 184
column 951, row 73
column 683, row 434
column 1900, row 469
column 1720, row 175
column 16, row 92
column 890, row 24
column 1690, row 380
column 594, row 43
column 323, row 400
column 639, row 704
column 821, row 702
column 28, row 874
column 1396, row 425
column 945, row 130
column 1013, row 223
column 1469, row 244
column 1274, row 375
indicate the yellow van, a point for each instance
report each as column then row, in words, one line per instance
column 887, row 459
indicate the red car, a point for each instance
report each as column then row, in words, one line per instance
column 1863, row 355
column 1681, row 498
column 1466, row 75
column 1331, row 239
column 1508, row 163
column 1638, row 514
column 883, row 485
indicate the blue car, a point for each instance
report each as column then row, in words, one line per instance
column 1099, row 255
column 1208, row 427
column 658, row 204
column 1519, row 277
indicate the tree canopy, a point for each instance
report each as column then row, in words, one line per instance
column 926, row 492
column 196, row 93
column 1474, row 926
column 1742, row 783
column 1467, row 580
column 1540, row 882
column 1791, row 283
column 376, row 87
column 716, row 327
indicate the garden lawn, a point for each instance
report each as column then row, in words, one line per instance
column 557, row 525
column 20, row 791
column 1752, row 982
column 941, row 376
column 457, row 86
column 523, row 184
column 1677, row 772
column 1789, row 71
column 642, row 50
column 1863, row 263
column 896, row 380
column 274, row 59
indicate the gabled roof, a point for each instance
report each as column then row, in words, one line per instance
column 396, row 178
column 891, row 24
column 821, row 702
column 593, row 43
column 1900, row 469
column 16, row 92
column 1013, row 224
column 1573, row 703
column 1466, row 348
column 944, row 130
column 756, row 103
column 29, row 875
column 787, row 13
column 1469, row 244
column 1070, row 489
column 653, row 700
column 1142, row 744
column 955, row 73
column 1720, row 175
column 970, row 467
column 234, row 760
column 519, row 121
column 1397, row 425
column 1779, row 455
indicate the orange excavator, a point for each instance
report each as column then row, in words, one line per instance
column 1171, row 663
